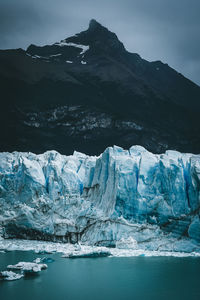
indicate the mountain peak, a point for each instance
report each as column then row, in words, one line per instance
column 94, row 25
column 99, row 38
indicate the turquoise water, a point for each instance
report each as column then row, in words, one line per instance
column 137, row 278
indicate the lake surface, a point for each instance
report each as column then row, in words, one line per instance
column 136, row 278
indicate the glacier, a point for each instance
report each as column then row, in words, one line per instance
column 126, row 199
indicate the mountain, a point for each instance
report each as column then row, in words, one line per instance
column 88, row 92
column 121, row 197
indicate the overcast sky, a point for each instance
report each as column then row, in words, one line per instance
column 167, row 30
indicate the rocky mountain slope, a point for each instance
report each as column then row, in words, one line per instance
column 120, row 198
column 88, row 92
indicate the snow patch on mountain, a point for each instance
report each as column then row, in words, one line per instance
column 83, row 47
column 55, row 55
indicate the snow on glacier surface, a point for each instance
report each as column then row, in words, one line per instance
column 123, row 198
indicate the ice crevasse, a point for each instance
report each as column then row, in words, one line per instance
column 122, row 198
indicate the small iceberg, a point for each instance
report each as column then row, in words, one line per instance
column 90, row 254
column 45, row 260
column 42, row 252
column 24, row 269
column 28, row 267
column 9, row 275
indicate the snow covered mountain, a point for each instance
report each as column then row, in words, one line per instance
column 123, row 198
column 88, row 92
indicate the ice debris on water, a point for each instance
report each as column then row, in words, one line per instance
column 69, row 249
column 44, row 260
column 23, row 269
column 28, row 267
column 88, row 253
column 9, row 275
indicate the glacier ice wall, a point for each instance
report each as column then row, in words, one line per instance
column 122, row 197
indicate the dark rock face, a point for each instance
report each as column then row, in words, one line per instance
column 87, row 92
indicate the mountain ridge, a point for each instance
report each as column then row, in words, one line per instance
column 121, row 98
